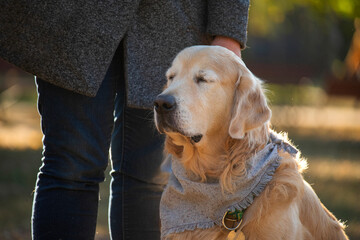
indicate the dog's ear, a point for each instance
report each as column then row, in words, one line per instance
column 250, row 108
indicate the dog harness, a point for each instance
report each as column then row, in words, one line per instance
column 187, row 204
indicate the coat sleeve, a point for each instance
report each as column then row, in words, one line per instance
column 228, row 18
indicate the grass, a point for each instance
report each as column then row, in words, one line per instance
column 17, row 179
column 334, row 173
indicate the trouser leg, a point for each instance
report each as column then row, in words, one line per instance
column 77, row 133
column 136, row 151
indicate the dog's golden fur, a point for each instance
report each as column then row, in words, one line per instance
column 228, row 108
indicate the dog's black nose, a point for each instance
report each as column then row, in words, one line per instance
column 164, row 103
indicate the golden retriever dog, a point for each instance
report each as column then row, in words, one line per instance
column 214, row 113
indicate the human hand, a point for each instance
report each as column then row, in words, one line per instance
column 228, row 43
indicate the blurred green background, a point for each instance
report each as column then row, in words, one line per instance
column 307, row 52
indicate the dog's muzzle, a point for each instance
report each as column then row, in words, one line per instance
column 164, row 106
column 166, row 117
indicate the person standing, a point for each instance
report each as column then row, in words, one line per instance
column 99, row 65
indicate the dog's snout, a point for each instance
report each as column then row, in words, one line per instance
column 164, row 103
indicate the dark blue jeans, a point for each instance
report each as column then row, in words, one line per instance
column 78, row 132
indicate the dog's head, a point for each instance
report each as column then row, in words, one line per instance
column 210, row 93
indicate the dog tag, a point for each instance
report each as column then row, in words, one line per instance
column 232, row 219
column 232, row 235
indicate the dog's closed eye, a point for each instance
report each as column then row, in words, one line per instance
column 205, row 76
column 200, row 79
column 171, row 74
column 171, row 77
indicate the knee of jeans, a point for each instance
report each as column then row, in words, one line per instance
column 47, row 182
column 73, row 179
column 74, row 169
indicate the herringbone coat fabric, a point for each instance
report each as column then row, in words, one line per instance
column 71, row 43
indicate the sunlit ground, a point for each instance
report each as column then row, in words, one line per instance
column 327, row 132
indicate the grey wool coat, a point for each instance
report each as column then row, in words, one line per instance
column 71, row 43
